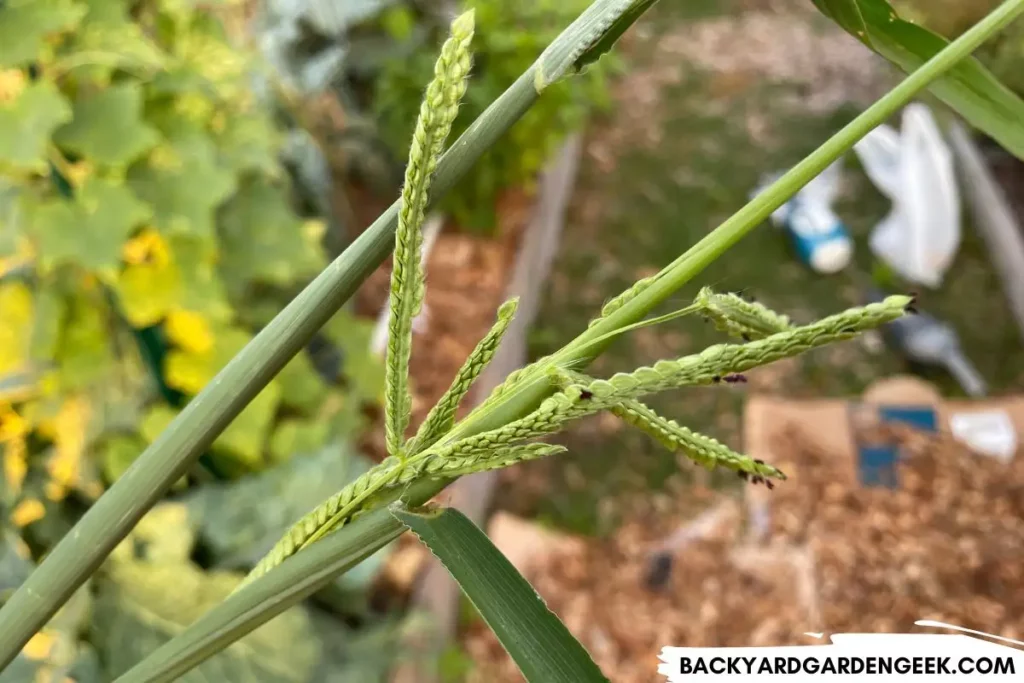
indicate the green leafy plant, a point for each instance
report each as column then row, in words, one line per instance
column 509, row 37
column 147, row 230
column 532, row 402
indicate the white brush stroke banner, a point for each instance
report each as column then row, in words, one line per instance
column 854, row 657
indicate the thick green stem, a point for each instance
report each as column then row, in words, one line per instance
column 233, row 619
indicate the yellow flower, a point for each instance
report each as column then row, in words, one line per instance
column 39, row 646
column 12, row 425
column 15, row 463
column 12, row 82
column 146, row 247
column 79, row 173
column 190, row 331
column 16, row 316
column 27, row 511
column 69, row 433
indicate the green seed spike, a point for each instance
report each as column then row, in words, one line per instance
column 329, row 515
column 581, row 396
column 737, row 317
column 442, row 416
column 715, row 362
column 624, row 298
column 362, row 493
column 483, row 460
column 438, row 111
column 702, row 449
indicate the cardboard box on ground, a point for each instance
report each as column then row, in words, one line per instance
column 946, row 542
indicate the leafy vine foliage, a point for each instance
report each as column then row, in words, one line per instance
column 147, row 230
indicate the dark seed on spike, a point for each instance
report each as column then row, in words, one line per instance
column 769, row 484
column 742, row 475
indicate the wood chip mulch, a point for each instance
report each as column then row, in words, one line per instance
column 946, row 545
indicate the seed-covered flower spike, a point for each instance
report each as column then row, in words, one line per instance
column 437, row 113
column 738, row 317
column 328, row 516
column 702, row 449
column 579, row 396
column 582, row 395
column 721, row 360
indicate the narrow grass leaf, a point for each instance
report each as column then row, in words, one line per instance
column 969, row 88
column 537, row 641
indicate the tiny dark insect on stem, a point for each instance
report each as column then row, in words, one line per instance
column 735, row 379
column 585, row 395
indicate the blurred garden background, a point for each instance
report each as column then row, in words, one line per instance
column 174, row 172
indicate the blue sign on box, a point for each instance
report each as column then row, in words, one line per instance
column 877, row 462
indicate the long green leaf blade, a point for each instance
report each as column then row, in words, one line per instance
column 537, row 641
column 969, row 88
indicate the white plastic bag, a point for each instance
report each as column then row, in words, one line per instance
column 914, row 169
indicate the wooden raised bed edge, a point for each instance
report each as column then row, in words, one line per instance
column 436, row 594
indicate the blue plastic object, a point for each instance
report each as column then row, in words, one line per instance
column 923, row 418
column 877, row 463
column 877, row 466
